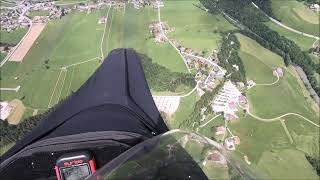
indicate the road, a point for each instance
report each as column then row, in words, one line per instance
column 287, row 27
column 275, row 118
column 164, row 35
column 270, row 84
column 199, row 57
column 202, row 125
column 10, row 89
column 104, row 32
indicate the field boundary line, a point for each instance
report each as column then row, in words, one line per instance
column 78, row 63
column 202, row 125
column 104, row 31
column 110, row 29
column 286, row 130
column 66, row 71
column 54, row 89
column 71, row 80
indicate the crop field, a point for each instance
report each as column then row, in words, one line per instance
column 264, row 142
column 12, row 37
column 305, row 43
column 296, row 15
column 194, row 27
column 39, row 13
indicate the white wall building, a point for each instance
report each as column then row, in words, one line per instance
column 5, row 110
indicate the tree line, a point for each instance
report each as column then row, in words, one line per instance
column 160, row 78
column 228, row 56
column 203, row 102
column 254, row 20
column 12, row 133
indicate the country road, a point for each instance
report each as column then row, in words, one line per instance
column 287, row 27
column 171, row 43
column 270, row 84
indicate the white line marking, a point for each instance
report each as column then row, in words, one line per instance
column 66, row 71
column 54, row 89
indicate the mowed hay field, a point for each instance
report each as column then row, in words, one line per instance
column 194, row 27
column 265, row 143
column 296, row 15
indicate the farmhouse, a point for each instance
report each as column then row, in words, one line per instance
column 229, row 144
column 315, row 7
column 220, row 130
column 278, row 72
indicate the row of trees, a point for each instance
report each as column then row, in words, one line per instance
column 203, row 102
column 12, row 133
column 265, row 6
column 160, row 78
column 315, row 163
column 255, row 20
column 228, row 56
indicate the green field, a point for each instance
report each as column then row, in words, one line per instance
column 61, row 43
column 39, row 13
column 2, row 56
column 305, row 43
column 259, row 138
column 136, row 35
column 286, row 92
column 194, row 27
column 6, row 4
column 186, row 107
column 296, row 15
column 12, row 37
column 275, row 164
column 77, row 38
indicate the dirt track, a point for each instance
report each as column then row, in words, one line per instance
column 26, row 44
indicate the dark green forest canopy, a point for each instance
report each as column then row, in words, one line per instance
column 160, row 78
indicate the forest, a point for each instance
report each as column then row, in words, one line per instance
column 228, row 56
column 160, row 78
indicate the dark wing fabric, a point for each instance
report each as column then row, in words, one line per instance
column 115, row 98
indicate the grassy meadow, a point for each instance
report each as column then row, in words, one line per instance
column 194, row 27
column 266, row 143
column 297, row 16
column 12, row 37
